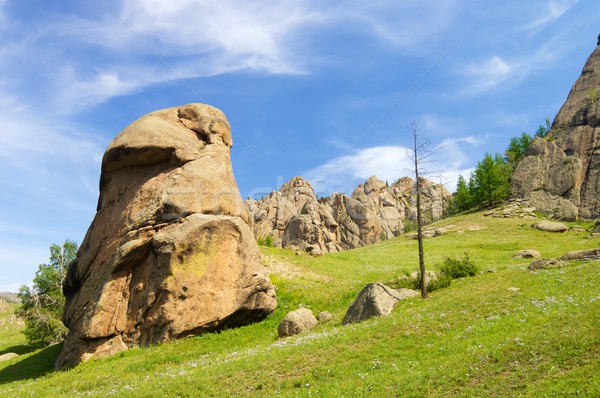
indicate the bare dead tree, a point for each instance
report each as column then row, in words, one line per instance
column 420, row 153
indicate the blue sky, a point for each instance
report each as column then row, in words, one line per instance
column 321, row 89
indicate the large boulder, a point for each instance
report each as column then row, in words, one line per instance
column 170, row 252
column 561, row 174
column 375, row 299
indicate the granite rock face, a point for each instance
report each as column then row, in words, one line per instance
column 296, row 219
column 561, row 174
column 170, row 252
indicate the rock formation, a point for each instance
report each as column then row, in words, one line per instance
column 296, row 219
column 561, row 174
column 170, row 252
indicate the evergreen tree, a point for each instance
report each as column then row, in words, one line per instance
column 517, row 149
column 542, row 130
column 463, row 199
column 491, row 180
column 42, row 305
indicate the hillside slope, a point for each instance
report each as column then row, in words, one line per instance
column 475, row 338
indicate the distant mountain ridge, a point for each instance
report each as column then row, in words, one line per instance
column 294, row 218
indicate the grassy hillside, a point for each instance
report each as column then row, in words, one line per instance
column 475, row 338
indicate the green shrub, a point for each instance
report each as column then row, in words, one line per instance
column 269, row 241
column 459, row 268
column 383, row 236
column 266, row 241
column 409, row 225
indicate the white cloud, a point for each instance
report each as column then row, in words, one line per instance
column 389, row 163
column 145, row 42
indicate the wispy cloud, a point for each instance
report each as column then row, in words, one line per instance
column 548, row 14
column 403, row 24
column 502, row 72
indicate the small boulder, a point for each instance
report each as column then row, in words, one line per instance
column 7, row 356
column 324, row 316
column 528, row 253
column 550, row 226
column 299, row 321
column 590, row 254
column 546, row 263
column 514, row 289
column 375, row 299
column 577, row 228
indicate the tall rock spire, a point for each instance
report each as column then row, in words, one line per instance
column 561, row 174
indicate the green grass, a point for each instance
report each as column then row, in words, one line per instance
column 475, row 338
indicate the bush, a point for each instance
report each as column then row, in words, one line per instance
column 267, row 241
column 409, row 225
column 439, row 281
column 459, row 268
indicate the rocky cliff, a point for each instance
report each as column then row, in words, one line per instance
column 561, row 174
column 170, row 252
column 296, row 219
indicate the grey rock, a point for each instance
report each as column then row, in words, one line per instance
column 324, row 316
column 550, row 226
column 547, row 263
column 528, row 253
column 295, row 322
column 589, row 254
column 375, row 299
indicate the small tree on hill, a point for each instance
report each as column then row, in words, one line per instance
column 418, row 155
column 42, row 305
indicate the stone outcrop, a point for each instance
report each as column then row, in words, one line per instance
column 375, row 299
column 296, row 219
column 561, row 174
column 170, row 252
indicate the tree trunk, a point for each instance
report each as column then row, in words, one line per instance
column 419, row 223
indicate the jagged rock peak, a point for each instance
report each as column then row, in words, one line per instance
column 296, row 182
column 561, row 174
column 295, row 219
column 170, row 252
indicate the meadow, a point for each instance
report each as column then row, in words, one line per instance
column 506, row 332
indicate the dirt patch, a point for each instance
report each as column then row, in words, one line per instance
column 291, row 271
